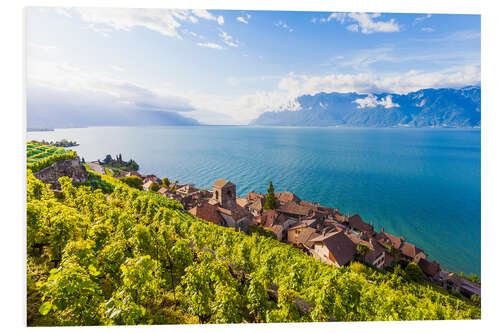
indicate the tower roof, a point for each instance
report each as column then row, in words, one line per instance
column 220, row 183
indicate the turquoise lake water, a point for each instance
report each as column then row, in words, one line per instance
column 424, row 184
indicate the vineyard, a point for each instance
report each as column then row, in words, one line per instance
column 129, row 257
column 39, row 156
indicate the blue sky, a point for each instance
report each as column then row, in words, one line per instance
column 228, row 67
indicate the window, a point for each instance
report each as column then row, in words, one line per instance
column 217, row 195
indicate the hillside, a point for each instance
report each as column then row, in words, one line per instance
column 423, row 108
column 125, row 256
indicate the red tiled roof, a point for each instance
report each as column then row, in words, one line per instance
column 388, row 239
column 241, row 201
column 305, row 237
column 287, row 197
column 207, row 212
column 257, row 204
column 410, row 250
column 254, row 196
column 375, row 248
column 357, row 222
column 268, row 218
column 221, row 183
column 429, row 268
column 339, row 245
column 163, row 190
column 294, row 209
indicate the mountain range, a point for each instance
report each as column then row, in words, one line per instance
column 443, row 107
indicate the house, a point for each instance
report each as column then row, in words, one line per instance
column 376, row 253
column 294, row 210
column 252, row 196
column 147, row 185
column 152, row 178
column 163, row 191
column 208, row 213
column 411, row 253
column 301, row 236
column 269, row 219
column 430, row 269
column 286, row 197
column 388, row 239
column 333, row 248
column 294, row 232
column 187, row 189
column 257, row 206
column 242, row 202
column 356, row 223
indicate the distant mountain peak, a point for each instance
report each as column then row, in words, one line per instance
column 443, row 107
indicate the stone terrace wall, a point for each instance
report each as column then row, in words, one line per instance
column 70, row 168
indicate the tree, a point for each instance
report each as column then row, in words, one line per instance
column 362, row 250
column 133, row 181
column 271, row 202
column 108, row 159
column 154, row 187
column 474, row 278
column 165, row 182
column 413, row 272
column 72, row 294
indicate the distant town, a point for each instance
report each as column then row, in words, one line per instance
column 321, row 232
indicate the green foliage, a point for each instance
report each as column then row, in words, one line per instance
column 254, row 228
column 362, row 250
column 413, row 272
column 165, row 182
column 40, row 156
column 271, row 202
column 154, row 187
column 132, row 257
column 71, row 294
column 133, row 181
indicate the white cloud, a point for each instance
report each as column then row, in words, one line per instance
column 241, row 19
column 160, row 20
column 164, row 21
column 211, row 46
column 283, row 25
column 365, row 23
column 371, row 101
column 427, row 29
column 337, row 16
column 204, row 14
column 105, row 87
column 244, row 19
column 228, row 39
column 421, row 18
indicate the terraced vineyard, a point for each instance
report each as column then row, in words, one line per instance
column 135, row 257
column 39, row 156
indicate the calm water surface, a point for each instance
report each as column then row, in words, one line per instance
column 424, row 184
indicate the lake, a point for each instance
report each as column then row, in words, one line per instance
column 423, row 184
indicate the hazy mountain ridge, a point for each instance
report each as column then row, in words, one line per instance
column 443, row 107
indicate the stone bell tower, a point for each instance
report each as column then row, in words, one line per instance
column 224, row 194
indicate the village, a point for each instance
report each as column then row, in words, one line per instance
column 321, row 232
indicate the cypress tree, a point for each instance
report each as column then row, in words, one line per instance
column 270, row 198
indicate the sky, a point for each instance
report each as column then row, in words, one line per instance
column 228, row 67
